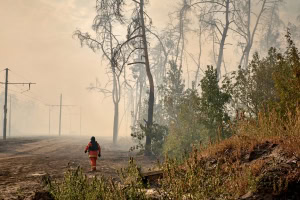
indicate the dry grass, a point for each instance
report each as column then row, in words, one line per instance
column 254, row 159
column 257, row 167
column 252, row 133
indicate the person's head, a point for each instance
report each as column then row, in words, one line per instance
column 93, row 139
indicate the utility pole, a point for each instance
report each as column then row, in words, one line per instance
column 60, row 106
column 5, row 100
column 60, row 114
column 9, row 123
column 5, row 104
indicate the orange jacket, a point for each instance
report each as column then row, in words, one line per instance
column 93, row 153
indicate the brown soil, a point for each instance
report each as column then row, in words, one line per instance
column 24, row 161
column 280, row 175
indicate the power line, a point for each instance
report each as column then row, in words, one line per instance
column 29, row 91
column 38, row 100
column 17, row 85
column 33, row 98
column 20, row 76
column 5, row 100
column 22, row 91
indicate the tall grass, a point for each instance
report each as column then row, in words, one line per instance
column 267, row 127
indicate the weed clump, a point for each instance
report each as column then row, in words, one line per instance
column 77, row 185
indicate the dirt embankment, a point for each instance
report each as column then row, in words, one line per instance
column 24, row 161
column 275, row 173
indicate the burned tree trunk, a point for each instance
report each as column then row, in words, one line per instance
column 150, row 80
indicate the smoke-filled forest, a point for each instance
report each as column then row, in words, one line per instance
column 148, row 99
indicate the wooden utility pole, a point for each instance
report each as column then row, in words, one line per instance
column 5, row 100
column 9, row 123
column 60, row 114
column 5, row 105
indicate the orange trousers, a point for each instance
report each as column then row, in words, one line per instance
column 93, row 163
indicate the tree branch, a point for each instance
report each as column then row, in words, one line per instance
column 136, row 63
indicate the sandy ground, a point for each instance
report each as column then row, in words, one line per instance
column 23, row 161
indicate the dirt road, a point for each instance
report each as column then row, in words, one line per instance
column 23, row 161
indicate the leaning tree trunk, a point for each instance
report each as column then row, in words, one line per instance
column 151, row 83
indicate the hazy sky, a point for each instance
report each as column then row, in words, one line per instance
column 36, row 42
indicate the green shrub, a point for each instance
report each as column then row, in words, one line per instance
column 187, row 129
column 157, row 134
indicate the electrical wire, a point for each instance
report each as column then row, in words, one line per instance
column 20, row 76
column 22, row 91
column 33, row 98
column 21, row 88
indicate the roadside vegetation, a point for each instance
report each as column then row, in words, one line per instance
column 237, row 140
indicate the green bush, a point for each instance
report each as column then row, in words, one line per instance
column 187, row 129
column 267, row 83
column 287, row 79
column 157, row 134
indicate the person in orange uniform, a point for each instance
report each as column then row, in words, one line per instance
column 94, row 149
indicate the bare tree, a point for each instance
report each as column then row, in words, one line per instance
column 136, row 40
column 219, row 15
column 271, row 26
column 203, row 27
column 244, row 27
column 182, row 28
column 106, row 41
column 295, row 29
column 160, row 54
